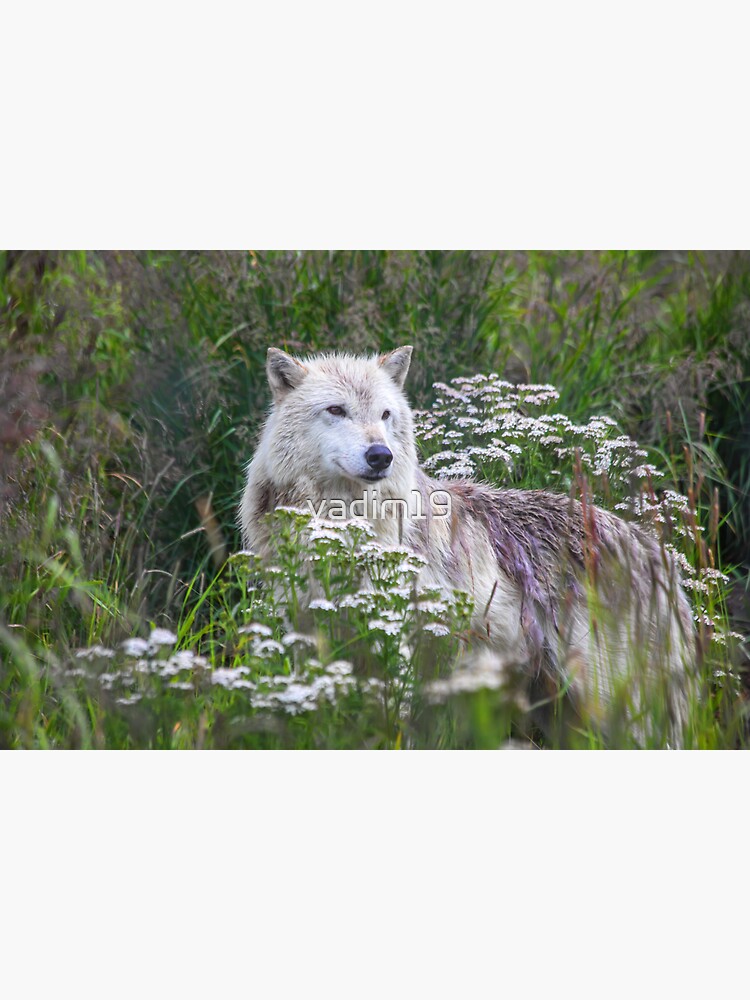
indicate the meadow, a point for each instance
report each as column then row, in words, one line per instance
column 132, row 389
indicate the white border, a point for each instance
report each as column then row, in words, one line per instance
column 364, row 874
column 409, row 124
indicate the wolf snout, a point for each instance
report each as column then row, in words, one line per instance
column 378, row 457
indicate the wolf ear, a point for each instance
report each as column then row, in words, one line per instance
column 284, row 372
column 396, row 363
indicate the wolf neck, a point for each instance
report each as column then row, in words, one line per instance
column 386, row 506
column 382, row 505
column 384, row 511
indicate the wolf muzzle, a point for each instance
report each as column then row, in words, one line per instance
column 378, row 457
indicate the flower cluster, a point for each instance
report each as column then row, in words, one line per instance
column 293, row 694
column 483, row 426
column 139, row 667
column 365, row 597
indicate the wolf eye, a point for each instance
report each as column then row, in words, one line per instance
column 386, row 414
column 336, row 411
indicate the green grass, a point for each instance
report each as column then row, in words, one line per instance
column 132, row 391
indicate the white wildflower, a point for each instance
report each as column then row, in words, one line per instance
column 96, row 652
column 340, row 668
column 256, row 628
column 437, row 629
column 390, row 628
column 321, row 604
column 231, row 677
column 162, row 637
column 130, row 699
column 134, row 647
column 297, row 638
column 484, row 671
column 266, row 647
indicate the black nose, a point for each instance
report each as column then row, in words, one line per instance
column 378, row 457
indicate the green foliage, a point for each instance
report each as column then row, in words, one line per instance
column 132, row 388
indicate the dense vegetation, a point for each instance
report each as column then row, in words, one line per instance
column 132, row 387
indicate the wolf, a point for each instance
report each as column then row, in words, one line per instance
column 584, row 601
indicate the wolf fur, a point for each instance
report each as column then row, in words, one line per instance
column 570, row 591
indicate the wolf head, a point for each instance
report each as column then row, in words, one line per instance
column 340, row 421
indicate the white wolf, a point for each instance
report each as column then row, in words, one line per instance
column 575, row 594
